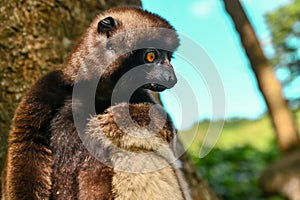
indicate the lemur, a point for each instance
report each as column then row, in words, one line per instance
column 46, row 157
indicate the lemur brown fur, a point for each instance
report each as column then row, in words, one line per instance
column 46, row 159
column 143, row 160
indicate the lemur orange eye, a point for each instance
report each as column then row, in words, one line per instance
column 150, row 57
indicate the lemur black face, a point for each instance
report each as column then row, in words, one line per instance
column 161, row 74
column 158, row 71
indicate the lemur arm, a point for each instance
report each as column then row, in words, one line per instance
column 29, row 160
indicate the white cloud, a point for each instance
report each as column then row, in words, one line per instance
column 202, row 8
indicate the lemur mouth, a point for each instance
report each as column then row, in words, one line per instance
column 155, row 87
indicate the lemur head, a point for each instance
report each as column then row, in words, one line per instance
column 121, row 39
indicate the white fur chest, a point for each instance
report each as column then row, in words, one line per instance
column 136, row 177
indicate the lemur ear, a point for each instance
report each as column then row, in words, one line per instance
column 106, row 25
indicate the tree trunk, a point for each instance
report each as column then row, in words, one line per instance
column 35, row 37
column 200, row 189
column 282, row 177
column 282, row 119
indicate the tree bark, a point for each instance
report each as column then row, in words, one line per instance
column 200, row 189
column 282, row 119
column 35, row 37
column 283, row 176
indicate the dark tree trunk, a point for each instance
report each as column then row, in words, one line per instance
column 282, row 119
column 35, row 37
column 200, row 189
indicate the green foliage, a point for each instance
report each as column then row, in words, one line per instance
column 245, row 148
column 284, row 24
column 281, row 21
column 235, row 133
column 234, row 173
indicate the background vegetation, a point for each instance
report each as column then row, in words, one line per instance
column 244, row 149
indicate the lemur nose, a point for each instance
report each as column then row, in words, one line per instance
column 169, row 76
column 172, row 80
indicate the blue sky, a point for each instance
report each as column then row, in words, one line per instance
column 207, row 24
